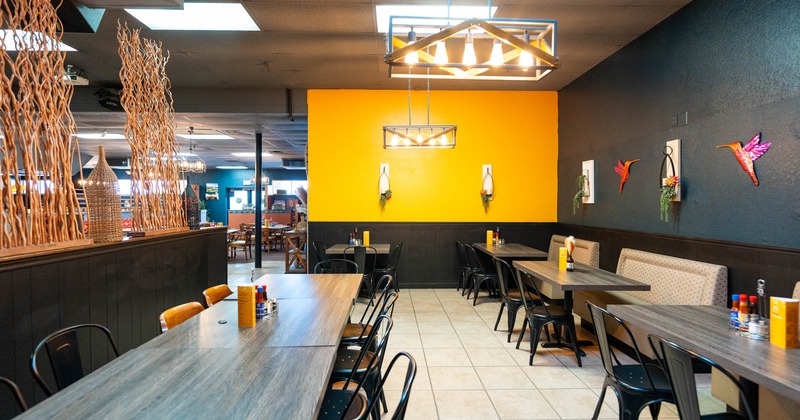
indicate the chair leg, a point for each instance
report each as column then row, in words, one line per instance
column 512, row 318
column 522, row 333
column 499, row 315
column 600, row 402
column 534, row 341
column 655, row 408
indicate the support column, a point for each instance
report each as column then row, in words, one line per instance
column 258, row 189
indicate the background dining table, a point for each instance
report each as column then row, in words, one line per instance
column 510, row 251
column 210, row 367
column 339, row 249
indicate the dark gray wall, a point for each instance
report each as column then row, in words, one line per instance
column 735, row 67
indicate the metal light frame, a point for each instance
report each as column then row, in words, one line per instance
column 511, row 32
column 419, row 136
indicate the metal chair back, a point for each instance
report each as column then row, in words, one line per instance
column 17, row 394
column 336, row 266
column 64, row 353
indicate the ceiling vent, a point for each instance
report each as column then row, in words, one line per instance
column 119, row 163
column 293, row 164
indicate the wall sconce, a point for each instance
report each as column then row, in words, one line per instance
column 671, row 166
column 587, row 169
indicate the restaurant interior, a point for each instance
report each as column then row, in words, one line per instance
column 498, row 223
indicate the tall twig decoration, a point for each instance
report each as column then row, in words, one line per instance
column 38, row 199
column 150, row 130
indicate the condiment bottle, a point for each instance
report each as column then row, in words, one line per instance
column 260, row 308
column 753, row 326
column 744, row 314
column 570, row 263
column 735, row 312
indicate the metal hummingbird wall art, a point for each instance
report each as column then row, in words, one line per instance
column 746, row 155
column 624, row 171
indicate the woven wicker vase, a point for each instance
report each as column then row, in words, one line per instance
column 104, row 202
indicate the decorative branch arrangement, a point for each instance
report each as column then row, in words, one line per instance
column 38, row 201
column 150, row 130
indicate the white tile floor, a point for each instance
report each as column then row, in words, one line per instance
column 468, row 371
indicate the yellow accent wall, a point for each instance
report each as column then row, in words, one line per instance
column 515, row 131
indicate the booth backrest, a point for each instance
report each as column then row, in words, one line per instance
column 585, row 252
column 674, row 281
column 796, row 293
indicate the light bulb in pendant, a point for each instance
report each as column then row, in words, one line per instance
column 441, row 54
column 395, row 140
column 469, row 51
column 412, row 57
column 419, row 138
column 497, row 53
column 525, row 58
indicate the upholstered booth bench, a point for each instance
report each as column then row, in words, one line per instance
column 672, row 280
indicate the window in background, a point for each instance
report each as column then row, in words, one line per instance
column 238, row 200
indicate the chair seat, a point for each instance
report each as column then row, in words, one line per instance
column 516, row 295
column 634, row 375
column 353, row 332
column 335, row 401
column 550, row 312
column 346, row 359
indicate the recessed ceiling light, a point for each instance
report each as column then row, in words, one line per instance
column 231, row 167
column 249, row 154
column 384, row 11
column 33, row 40
column 197, row 17
column 205, row 136
column 100, row 136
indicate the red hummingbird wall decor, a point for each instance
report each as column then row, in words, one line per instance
column 624, row 171
column 748, row 154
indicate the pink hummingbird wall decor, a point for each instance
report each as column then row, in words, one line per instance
column 748, row 154
column 624, row 171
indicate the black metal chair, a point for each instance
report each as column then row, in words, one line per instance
column 478, row 274
column 17, row 395
column 678, row 362
column 636, row 385
column 391, row 265
column 366, row 265
column 512, row 297
column 320, row 250
column 357, row 333
column 64, row 354
column 363, row 365
column 336, row 266
column 539, row 316
column 347, row 404
column 464, row 266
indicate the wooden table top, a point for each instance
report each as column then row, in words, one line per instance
column 202, row 368
column 704, row 329
column 382, row 249
column 510, row 250
column 584, row 277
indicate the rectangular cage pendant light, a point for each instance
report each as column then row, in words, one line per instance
column 479, row 49
column 419, row 136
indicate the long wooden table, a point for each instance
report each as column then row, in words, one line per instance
column 704, row 329
column 511, row 251
column 584, row 277
column 208, row 366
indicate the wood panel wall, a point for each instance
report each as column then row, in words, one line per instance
column 124, row 286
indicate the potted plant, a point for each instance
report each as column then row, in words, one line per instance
column 385, row 196
column 578, row 197
column 485, row 198
column 204, row 214
column 668, row 190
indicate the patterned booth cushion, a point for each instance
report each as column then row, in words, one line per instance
column 674, row 281
column 585, row 252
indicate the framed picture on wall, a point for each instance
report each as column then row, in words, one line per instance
column 212, row 191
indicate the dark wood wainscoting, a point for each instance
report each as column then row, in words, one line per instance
column 429, row 255
column 124, row 286
column 746, row 263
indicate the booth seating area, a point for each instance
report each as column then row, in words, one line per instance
column 673, row 281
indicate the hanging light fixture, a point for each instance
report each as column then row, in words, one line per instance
column 412, row 57
column 419, row 136
column 531, row 57
column 190, row 161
